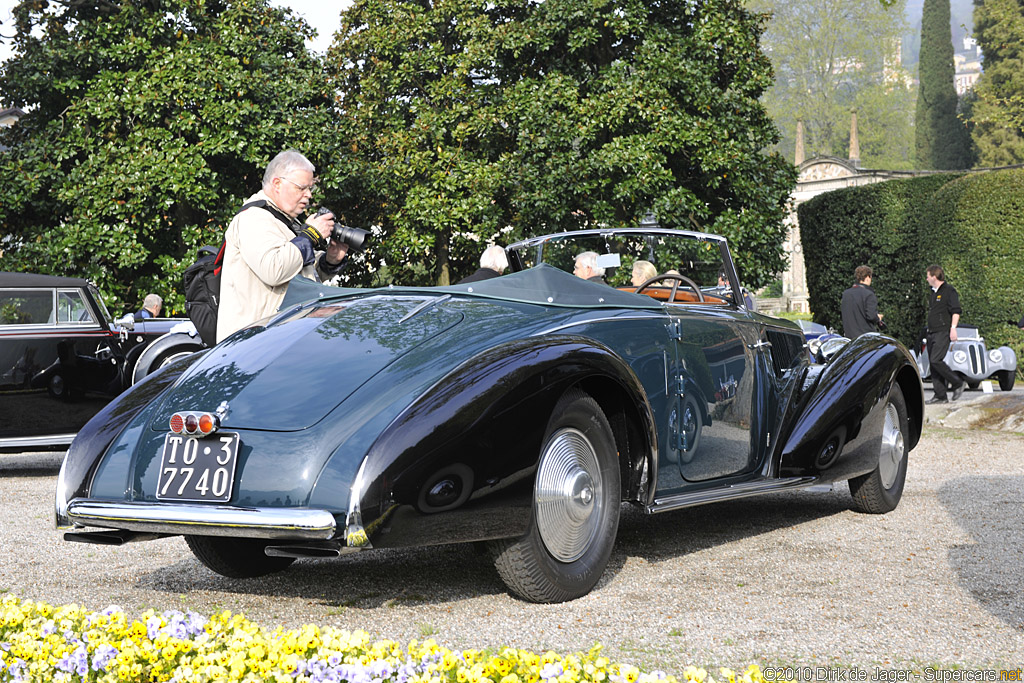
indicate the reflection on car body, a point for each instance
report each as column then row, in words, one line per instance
column 520, row 410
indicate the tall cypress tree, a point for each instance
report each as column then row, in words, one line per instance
column 941, row 139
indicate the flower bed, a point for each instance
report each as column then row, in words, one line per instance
column 39, row 642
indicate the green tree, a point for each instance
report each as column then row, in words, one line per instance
column 831, row 56
column 997, row 114
column 148, row 125
column 941, row 139
column 468, row 121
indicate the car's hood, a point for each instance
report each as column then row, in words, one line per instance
column 289, row 375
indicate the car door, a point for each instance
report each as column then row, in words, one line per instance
column 718, row 388
column 52, row 380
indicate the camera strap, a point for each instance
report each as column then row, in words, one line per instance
column 292, row 224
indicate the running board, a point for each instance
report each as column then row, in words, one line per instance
column 731, row 492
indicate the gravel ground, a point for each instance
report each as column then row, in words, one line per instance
column 793, row 579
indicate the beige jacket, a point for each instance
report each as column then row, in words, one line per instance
column 259, row 261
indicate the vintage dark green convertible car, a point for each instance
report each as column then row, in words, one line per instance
column 520, row 410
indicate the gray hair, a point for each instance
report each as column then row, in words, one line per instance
column 494, row 258
column 152, row 300
column 284, row 163
column 589, row 259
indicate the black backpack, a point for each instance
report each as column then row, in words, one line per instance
column 202, row 282
column 202, row 291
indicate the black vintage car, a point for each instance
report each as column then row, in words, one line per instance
column 520, row 411
column 62, row 357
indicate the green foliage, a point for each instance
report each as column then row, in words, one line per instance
column 831, row 56
column 972, row 225
column 469, row 121
column 875, row 225
column 974, row 229
column 998, row 114
column 147, row 126
column 940, row 137
column 440, row 125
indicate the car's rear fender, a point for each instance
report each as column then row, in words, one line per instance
column 459, row 463
column 87, row 450
column 837, row 432
column 170, row 345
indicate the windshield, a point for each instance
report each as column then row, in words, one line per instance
column 627, row 259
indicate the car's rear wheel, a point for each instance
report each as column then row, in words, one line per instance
column 880, row 491
column 166, row 358
column 1006, row 379
column 236, row 558
column 575, row 508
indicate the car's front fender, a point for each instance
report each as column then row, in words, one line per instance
column 845, row 407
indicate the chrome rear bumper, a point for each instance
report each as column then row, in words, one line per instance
column 204, row 520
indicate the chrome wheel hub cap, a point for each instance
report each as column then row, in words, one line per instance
column 892, row 447
column 568, row 495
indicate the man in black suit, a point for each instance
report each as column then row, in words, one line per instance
column 493, row 263
column 860, row 305
column 943, row 317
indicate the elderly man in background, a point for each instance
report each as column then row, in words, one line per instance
column 266, row 245
column 493, row 263
column 151, row 307
column 586, row 267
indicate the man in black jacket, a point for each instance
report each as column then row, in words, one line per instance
column 493, row 263
column 860, row 305
column 943, row 316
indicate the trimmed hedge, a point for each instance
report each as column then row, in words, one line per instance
column 972, row 225
column 974, row 228
column 876, row 225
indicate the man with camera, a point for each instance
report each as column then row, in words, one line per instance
column 266, row 245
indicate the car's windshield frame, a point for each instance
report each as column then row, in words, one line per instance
column 531, row 252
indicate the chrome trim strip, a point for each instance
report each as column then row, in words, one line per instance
column 683, row 500
column 423, row 306
column 60, row 516
column 355, row 532
column 207, row 520
column 28, row 441
column 577, row 323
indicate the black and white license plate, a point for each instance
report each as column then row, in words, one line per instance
column 198, row 469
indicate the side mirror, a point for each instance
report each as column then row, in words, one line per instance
column 126, row 321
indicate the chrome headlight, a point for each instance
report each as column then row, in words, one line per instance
column 959, row 357
column 995, row 355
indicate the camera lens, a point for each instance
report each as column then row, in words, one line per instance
column 356, row 238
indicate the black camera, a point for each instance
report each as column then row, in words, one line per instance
column 356, row 238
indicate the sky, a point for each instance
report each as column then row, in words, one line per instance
column 320, row 14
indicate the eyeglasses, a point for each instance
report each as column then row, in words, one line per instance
column 311, row 188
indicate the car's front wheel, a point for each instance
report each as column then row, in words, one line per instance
column 575, row 508
column 1006, row 379
column 236, row 558
column 880, row 491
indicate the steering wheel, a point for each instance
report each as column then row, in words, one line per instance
column 675, row 285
